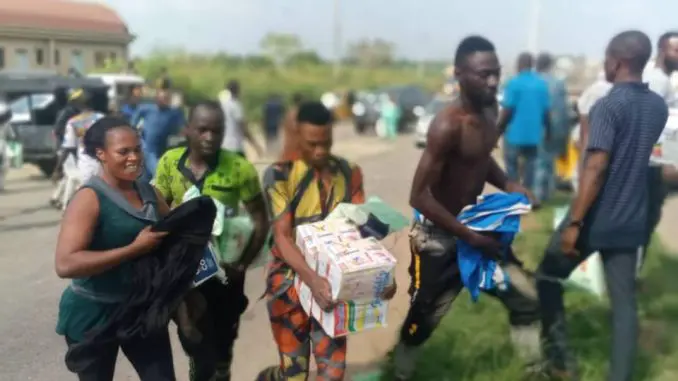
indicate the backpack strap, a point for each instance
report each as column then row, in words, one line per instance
column 271, row 177
column 345, row 169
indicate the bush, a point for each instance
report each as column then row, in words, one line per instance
column 203, row 76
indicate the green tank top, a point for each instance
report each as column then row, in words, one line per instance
column 87, row 302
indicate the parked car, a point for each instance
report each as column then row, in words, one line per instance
column 411, row 100
column 424, row 121
column 365, row 111
column 35, row 99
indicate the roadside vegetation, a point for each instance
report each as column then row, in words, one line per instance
column 201, row 76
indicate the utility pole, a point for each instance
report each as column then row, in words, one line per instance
column 534, row 25
column 337, row 38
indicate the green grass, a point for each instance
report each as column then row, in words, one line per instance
column 471, row 344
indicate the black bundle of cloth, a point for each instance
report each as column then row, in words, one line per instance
column 159, row 279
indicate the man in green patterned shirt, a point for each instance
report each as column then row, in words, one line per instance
column 232, row 180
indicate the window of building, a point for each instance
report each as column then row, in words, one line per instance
column 2, row 57
column 77, row 61
column 57, row 57
column 99, row 59
column 22, row 61
column 39, row 56
column 113, row 57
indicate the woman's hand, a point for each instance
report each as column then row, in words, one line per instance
column 147, row 240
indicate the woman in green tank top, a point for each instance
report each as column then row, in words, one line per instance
column 105, row 226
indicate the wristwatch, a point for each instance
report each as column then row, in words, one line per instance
column 576, row 223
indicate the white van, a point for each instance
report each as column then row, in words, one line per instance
column 120, row 85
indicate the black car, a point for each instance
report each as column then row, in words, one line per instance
column 411, row 100
column 35, row 100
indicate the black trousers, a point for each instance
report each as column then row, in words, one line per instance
column 151, row 358
column 620, row 266
column 436, row 283
column 211, row 358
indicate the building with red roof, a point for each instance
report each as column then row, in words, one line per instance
column 60, row 35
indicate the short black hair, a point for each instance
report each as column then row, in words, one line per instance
column 95, row 137
column 470, row 45
column 210, row 105
column 632, row 47
column 525, row 61
column 544, row 62
column 314, row 113
column 665, row 37
column 233, row 86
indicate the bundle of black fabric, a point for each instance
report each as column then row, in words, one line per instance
column 159, row 279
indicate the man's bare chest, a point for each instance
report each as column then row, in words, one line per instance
column 477, row 141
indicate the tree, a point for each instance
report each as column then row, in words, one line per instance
column 371, row 53
column 280, row 47
column 307, row 57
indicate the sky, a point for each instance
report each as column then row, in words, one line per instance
column 421, row 29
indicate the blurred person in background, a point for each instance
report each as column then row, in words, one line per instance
column 658, row 78
column 5, row 135
column 556, row 143
column 132, row 103
column 525, row 116
column 237, row 129
column 73, row 145
column 75, row 104
column 390, row 114
column 164, row 81
column 588, row 98
column 160, row 121
column 290, row 149
column 274, row 111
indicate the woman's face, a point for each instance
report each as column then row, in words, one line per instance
column 122, row 156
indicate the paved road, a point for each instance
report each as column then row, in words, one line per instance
column 29, row 289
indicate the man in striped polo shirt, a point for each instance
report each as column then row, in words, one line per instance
column 609, row 213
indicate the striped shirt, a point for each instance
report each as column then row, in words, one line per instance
column 626, row 123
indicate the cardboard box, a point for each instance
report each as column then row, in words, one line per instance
column 311, row 238
column 351, row 317
column 358, row 271
column 346, row 317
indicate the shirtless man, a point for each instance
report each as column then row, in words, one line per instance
column 452, row 172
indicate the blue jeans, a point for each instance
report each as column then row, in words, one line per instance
column 545, row 182
column 512, row 156
column 151, row 159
